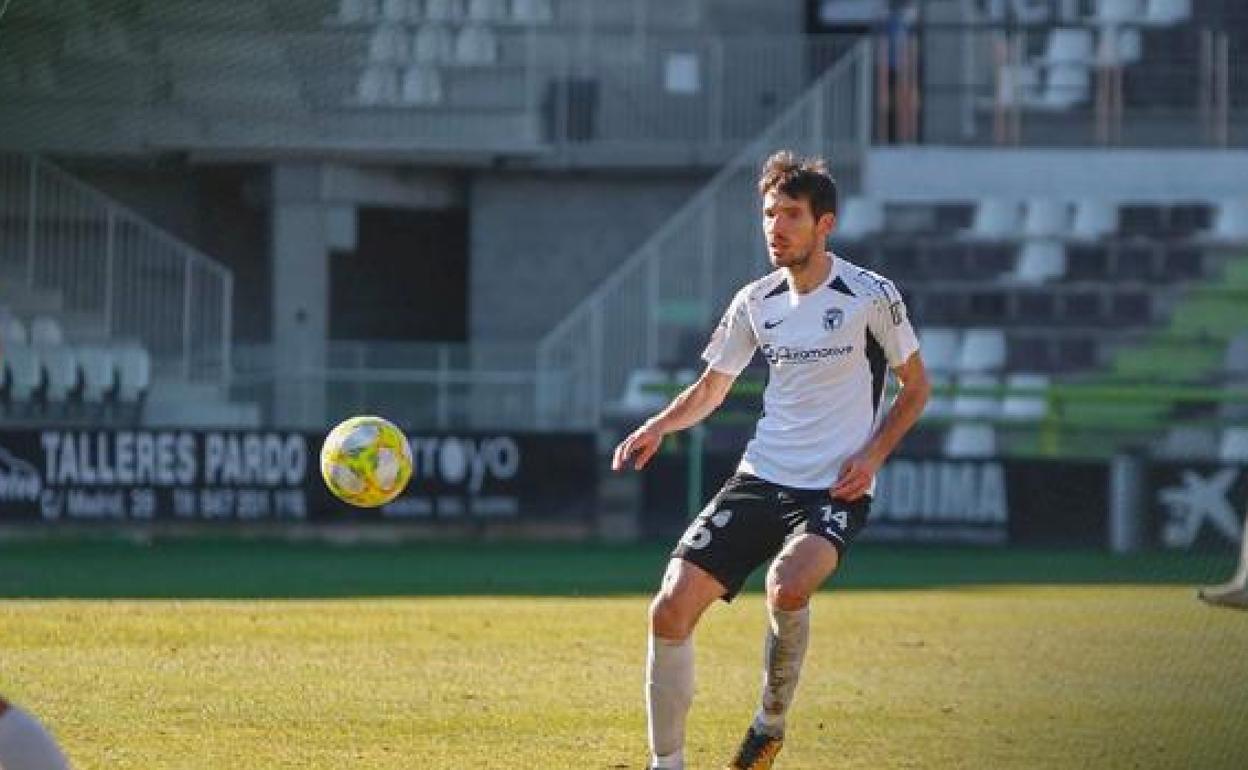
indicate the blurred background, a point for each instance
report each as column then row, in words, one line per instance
column 509, row 226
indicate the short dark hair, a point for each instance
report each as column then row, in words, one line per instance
column 802, row 178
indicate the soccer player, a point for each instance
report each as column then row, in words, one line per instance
column 24, row 744
column 829, row 331
column 1234, row 592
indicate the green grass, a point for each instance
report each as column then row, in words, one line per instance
column 496, row 656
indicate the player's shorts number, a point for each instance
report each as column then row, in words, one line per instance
column 699, row 534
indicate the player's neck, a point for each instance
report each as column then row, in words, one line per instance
column 811, row 275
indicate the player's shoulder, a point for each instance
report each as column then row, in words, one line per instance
column 868, row 283
column 774, row 282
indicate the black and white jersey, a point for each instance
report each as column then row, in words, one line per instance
column 829, row 352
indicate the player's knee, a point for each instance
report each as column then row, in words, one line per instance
column 787, row 595
column 668, row 619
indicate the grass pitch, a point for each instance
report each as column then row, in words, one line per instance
column 397, row 658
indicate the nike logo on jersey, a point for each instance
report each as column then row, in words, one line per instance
column 772, row 324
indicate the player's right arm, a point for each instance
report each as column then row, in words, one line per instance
column 690, row 407
column 730, row 349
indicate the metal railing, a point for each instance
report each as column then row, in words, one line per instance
column 112, row 274
column 442, row 386
column 684, row 274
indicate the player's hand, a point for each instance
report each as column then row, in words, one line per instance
column 856, row 476
column 641, row 443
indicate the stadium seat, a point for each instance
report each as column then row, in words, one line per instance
column 1068, row 45
column 1021, row 406
column 970, row 440
column 1230, row 222
column 532, row 11
column 134, row 368
column 1233, row 447
column 996, row 219
column 487, row 11
column 1017, row 84
column 25, row 371
column 858, row 218
column 1094, row 219
column 395, row 11
column 378, row 85
column 476, row 45
column 1119, row 47
column 1046, row 218
column 13, row 331
column 1118, row 11
column 982, row 350
column 443, row 10
column 1163, row 13
column 60, row 364
column 976, row 405
column 1187, row 442
column 45, row 331
column 99, row 373
column 1065, row 85
column 1040, row 261
column 1235, row 361
column 684, row 377
column 357, row 11
column 388, row 45
column 939, row 348
column 421, row 86
column 433, row 44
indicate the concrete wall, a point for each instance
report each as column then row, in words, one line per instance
column 540, row 243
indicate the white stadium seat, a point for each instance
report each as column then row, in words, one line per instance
column 443, row 10
column 983, row 350
column 13, row 331
column 1166, row 12
column 395, row 11
column 378, row 85
column 858, row 218
column 1188, row 442
column 1046, row 218
column 25, row 368
column 970, row 440
column 421, row 86
column 637, row 395
column 1023, row 406
column 1069, row 45
column 996, row 219
column 1118, row 11
column 46, row 331
column 1230, row 222
column 1065, row 85
column 1040, row 261
column 1119, row 47
column 532, row 11
column 60, row 364
column 476, row 45
column 99, row 373
column 433, row 44
column 1233, row 448
column 1094, row 219
column 1017, row 84
column 357, row 11
column 939, row 348
column 134, row 373
column 388, row 45
column 487, row 10
column 974, row 404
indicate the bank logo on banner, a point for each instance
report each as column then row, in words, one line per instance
column 19, row 480
column 1198, row 500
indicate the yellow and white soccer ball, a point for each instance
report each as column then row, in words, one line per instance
column 366, row 461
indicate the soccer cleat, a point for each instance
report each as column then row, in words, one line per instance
column 1231, row 594
column 758, row 751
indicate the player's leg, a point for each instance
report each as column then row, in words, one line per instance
column 24, row 744
column 686, row 592
column 804, row 563
column 1234, row 592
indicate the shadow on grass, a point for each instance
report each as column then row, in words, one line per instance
column 276, row 569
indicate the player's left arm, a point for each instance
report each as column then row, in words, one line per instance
column 861, row 467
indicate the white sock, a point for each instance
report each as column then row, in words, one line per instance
column 669, row 693
column 25, row 745
column 787, row 636
column 1241, row 573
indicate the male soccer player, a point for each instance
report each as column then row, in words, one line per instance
column 829, row 331
column 24, row 744
column 1234, row 592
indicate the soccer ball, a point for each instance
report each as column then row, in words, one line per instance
column 366, row 461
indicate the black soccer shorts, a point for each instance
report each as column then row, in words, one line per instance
column 749, row 520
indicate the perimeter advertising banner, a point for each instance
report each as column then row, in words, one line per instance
column 932, row 500
column 1196, row 505
column 273, row 476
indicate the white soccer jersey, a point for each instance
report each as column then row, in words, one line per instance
column 829, row 353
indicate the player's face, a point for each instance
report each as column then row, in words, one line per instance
column 792, row 232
